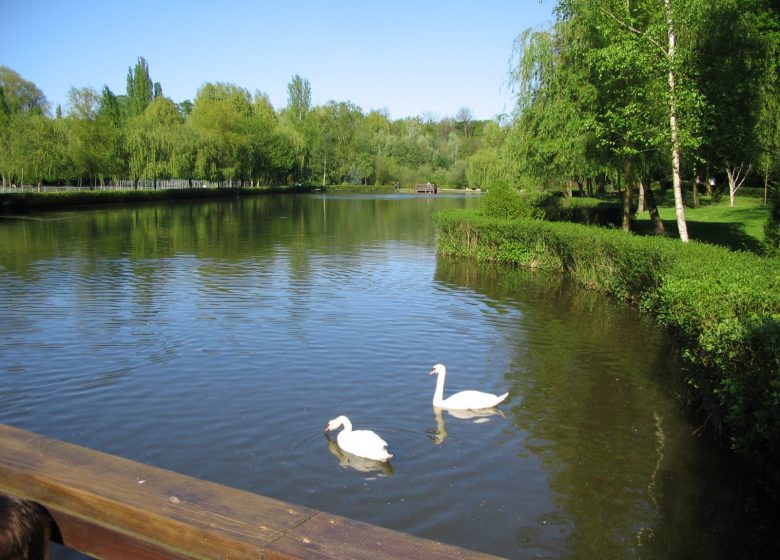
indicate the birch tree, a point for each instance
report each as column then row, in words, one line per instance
column 657, row 45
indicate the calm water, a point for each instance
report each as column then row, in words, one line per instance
column 217, row 338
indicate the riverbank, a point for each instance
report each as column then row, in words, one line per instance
column 722, row 306
column 22, row 202
column 15, row 203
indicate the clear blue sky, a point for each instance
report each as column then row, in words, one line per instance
column 409, row 57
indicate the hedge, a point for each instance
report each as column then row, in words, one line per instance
column 723, row 307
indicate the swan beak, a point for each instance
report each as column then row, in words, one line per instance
column 327, row 429
column 432, row 372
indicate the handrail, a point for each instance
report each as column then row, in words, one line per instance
column 114, row 508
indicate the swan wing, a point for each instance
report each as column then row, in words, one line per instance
column 465, row 400
column 364, row 443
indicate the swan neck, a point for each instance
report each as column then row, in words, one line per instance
column 438, row 396
column 346, row 423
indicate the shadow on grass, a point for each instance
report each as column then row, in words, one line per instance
column 729, row 234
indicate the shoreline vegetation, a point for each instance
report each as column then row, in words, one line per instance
column 722, row 307
column 22, row 202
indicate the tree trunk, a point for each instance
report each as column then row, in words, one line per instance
column 629, row 174
column 696, row 183
column 324, row 170
column 640, row 206
column 766, row 185
column 674, row 127
column 658, row 225
column 736, row 179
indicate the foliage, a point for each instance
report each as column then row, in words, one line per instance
column 140, row 89
column 503, row 201
column 772, row 228
column 20, row 95
column 229, row 134
column 645, row 90
column 723, row 306
column 580, row 210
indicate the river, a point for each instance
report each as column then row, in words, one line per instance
column 217, row 338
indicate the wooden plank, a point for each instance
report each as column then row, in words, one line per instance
column 330, row 537
column 158, row 508
column 117, row 509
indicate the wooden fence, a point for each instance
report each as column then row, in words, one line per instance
column 113, row 508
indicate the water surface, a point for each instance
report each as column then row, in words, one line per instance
column 216, row 338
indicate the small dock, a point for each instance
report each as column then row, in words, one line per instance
column 427, row 188
column 113, row 508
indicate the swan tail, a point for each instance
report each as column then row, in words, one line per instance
column 502, row 397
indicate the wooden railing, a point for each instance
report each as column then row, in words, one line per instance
column 113, row 508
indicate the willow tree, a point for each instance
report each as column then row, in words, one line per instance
column 296, row 118
column 221, row 120
column 553, row 131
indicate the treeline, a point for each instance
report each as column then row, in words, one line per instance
column 633, row 93
column 226, row 133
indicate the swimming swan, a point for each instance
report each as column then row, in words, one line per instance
column 464, row 400
column 363, row 443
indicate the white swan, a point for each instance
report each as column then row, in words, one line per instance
column 348, row 460
column 464, row 400
column 363, row 443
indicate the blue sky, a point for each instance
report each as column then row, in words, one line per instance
column 409, row 57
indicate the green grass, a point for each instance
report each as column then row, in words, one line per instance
column 740, row 228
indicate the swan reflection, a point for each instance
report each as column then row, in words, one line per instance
column 348, row 460
column 478, row 415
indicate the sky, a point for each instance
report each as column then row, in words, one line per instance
column 410, row 58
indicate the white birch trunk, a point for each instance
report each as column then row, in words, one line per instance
column 675, row 130
column 736, row 179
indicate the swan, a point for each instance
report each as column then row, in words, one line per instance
column 464, row 400
column 361, row 464
column 363, row 443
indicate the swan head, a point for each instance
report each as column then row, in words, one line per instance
column 336, row 423
column 437, row 369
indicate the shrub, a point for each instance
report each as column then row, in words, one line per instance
column 772, row 227
column 504, row 201
column 581, row 210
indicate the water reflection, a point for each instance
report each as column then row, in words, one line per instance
column 603, row 411
column 440, row 433
column 348, row 460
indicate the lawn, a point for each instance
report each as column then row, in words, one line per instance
column 740, row 227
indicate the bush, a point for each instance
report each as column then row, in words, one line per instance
column 772, row 227
column 581, row 210
column 503, row 201
column 723, row 307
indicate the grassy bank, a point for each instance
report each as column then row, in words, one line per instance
column 722, row 306
column 16, row 203
column 740, row 227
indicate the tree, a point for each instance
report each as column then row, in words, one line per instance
column 736, row 75
column 140, row 89
column 20, row 95
column 151, row 140
column 33, row 148
column 552, row 137
column 464, row 116
column 220, row 119
column 296, row 117
column 90, row 143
